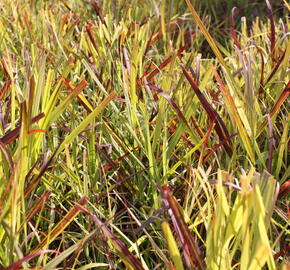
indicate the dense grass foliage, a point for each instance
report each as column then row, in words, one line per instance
column 144, row 134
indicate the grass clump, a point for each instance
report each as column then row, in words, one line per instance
column 143, row 135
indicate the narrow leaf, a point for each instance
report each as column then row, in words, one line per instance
column 192, row 250
column 60, row 227
column 220, row 126
column 86, row 121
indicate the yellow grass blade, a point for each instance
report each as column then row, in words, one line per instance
column 86, row 121
column 173, row 248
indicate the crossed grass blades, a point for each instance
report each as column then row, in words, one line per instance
column 144, row 135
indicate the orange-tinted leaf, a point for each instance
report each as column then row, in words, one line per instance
column 60, row 227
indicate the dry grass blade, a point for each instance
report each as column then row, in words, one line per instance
column 206, row 33
column 238, row 115
column 204, row 144
column 271, row 144
column 283, row 97
column 43, row 169
column 126, row 255
column 91, row 36
column 129, row 96
column 233, row 31
column 17, row 265
column 74, row 251
column 284, row 189
column 276, row 67
column 60, row 227
column 4, row 88
column 191, row 249
column 272, row 33
column 87, row 105
column 75, row 92
column 171, row 102
column 167, row 61
column 13, row 135
column 237, row 119
column 220, row 126
column 216, row 147
column 7, row 155
column 38, row 206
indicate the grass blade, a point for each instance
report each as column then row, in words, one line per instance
column 60, row 227
column 17, row 265
column 126, row 255
column 212, row 114
column 86, row 122
column 192, row 251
